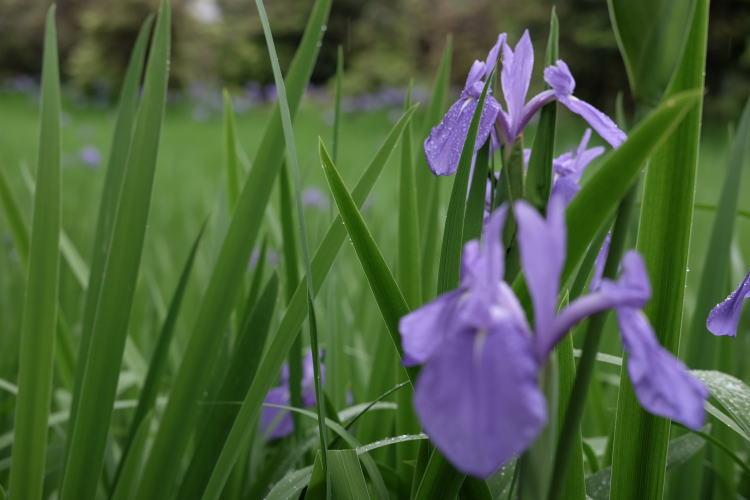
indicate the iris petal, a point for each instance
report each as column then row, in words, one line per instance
column 600, row 122
column 724, row 317
column 276, row 420
column 423, row 330
column 478, row 398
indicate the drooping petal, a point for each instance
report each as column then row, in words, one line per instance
column 424, row 329
column 662, row 383
column 725, row 316
column 277, row 422
column 542, row 246
column 631, row 290
column 600, row 122
column 516, row 74
column 478, row 398
column 446, row 140
column 529, row 110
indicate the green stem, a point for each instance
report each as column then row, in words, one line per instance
column 594, row 332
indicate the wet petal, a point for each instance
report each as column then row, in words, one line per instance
column 446, row 141
column 476, row 73
column 542, row 245
column 516, row 74
column 491, row 60
column 724, row 317
column 424, row 329
column 600, row 122
column 661, row 382
column 478, row 398
column 276, row 421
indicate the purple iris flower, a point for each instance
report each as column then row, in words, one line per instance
column 478, row 396
column 562, row 82
column 569, row 167
column 90, row 156
column 277, row 422
column 314, row 197
column 725, row 316
column 444, row 144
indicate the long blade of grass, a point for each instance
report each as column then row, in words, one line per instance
column 242, row 430
column 40, row 297
column 638, row 471
column 89, row 427
column 347, row 478
column 219, row 298
column 132, row 460
column 231, row 163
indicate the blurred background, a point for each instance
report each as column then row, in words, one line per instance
column 386, row 42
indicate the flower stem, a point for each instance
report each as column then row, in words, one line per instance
column 595, row 327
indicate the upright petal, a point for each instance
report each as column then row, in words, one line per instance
column 600, row 122
column 424, row 329
column 516, row 74
column 491, row 60
column 446, row 141
column 483, row 263
column 478, row 398
column 542, row 245
column 476, row 73
column 559, row 77
column 601, row 259
column 276, row 422
column 662, row 383
column 724, row 317
column 565, row 188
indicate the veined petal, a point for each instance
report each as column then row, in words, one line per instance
column 724, row 317
column 425, row 329
column 542, row 245
column 600, row 122
column 277, row 422
column 516, row 74
column 662, row 383
column 478, row 398
column 446, row 141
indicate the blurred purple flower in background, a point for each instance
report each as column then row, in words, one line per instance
column 314, row 197
column 725, row 316
column 569, row 167
column 477, row 396
column 277, row 422
column 90, row 156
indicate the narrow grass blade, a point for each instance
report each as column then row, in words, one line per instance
column 40, row 297
column 242, row 429
column 428, row 187
column 388, row 295
column 223, row 287
column 231, row 163
column 291, row 485
column 638, row 471
column 408, row 221
column 16, row 223
column 159, row 361
column 450, row 254
column 89, row 429
column 731, row 393
column 651, row 36
column 475, row 205
column 716, row 262
column 132, row 461
column 539, row 174
column 338, row 93
column 242, row 368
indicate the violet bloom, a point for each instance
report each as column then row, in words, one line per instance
column 446, row 141
column 562, row 82
column 90, row 156
column 314, row 197
column 277, row 422
column 725, row 316
column 478, row 396
column 569, row 167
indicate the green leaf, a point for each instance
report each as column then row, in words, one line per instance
column 242, row 368
column 450, row 254
column 231, row 163
column 680, row 451
column 338, row 94
column 347, row 479
column 667, row 209
column 651, row 35
column 242, row 429
column 716, row 263
column 159, row 359
column 133, row 460
column 539, row 173
column 388, row 295
column 731, row 393
column 89, row 428
column 224, row 284
column 40, row 296
column 116, row 165
column 476, row 203
column 291, row 485
column 595, row 204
